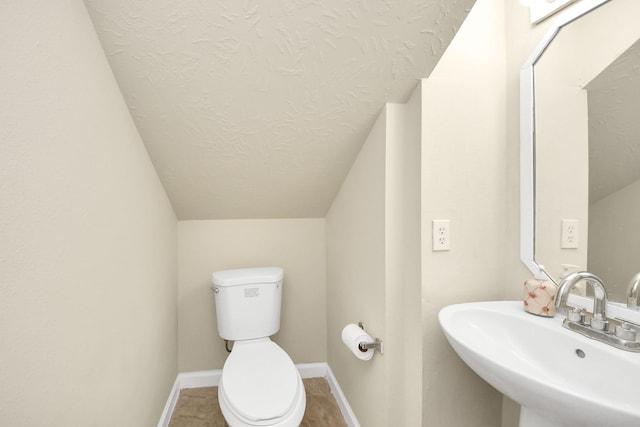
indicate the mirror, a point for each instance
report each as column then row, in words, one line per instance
column 580, row 145
column 614, row 172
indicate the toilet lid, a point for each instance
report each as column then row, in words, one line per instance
column 260, row 381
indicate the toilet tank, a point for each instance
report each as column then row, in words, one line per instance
column 248, row 302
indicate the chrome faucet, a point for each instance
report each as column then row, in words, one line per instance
column 633, row 293
column 623, row 335
column 599, row 320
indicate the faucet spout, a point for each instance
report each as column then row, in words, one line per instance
column 599, row 320
column 633, row 293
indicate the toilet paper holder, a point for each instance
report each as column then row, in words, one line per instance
column 377, row 344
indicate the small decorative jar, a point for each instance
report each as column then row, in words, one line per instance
column 540, row 297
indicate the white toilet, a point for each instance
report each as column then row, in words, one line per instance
column 260, row 385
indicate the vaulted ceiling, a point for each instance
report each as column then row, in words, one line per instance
column 614, row 128
column 257, row 109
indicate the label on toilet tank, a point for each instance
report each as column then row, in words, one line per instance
column 251, row 292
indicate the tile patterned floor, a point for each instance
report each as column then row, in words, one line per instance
column 198, row 407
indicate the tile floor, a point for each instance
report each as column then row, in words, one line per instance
column 198, row 407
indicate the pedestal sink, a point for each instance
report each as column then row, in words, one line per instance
column 559, row 377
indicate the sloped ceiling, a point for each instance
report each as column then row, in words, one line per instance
column 257, row 109
column 614, row 126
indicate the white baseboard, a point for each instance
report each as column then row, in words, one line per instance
column 212, row 378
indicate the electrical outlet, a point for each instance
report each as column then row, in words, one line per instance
column 569, row 237
column 441, row 237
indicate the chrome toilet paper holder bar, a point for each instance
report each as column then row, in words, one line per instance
column 377, row 344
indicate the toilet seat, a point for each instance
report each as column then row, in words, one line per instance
column 260, row 382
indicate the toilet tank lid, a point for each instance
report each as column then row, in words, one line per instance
column 247, row 276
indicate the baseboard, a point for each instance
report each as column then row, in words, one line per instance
column 212, row 378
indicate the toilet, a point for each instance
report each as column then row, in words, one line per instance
column 260, row 385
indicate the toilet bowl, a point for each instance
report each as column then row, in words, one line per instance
column 260, row 386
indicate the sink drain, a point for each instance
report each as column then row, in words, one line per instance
column 580, row 353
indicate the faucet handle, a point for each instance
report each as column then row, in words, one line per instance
column 626, row 331
column 599, row 323
column 629, row 323
column 576, row 315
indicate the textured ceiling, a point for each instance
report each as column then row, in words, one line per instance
column 257, row 109
column 614, row 126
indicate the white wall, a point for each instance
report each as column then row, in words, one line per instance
column 88, row 262
column 463, row 180
column 297, row 245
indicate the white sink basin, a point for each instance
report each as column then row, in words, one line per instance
column 559, row 377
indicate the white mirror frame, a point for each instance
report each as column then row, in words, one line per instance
column 527, row 137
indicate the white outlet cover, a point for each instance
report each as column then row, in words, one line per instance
column 441, row 235
column 570, row 234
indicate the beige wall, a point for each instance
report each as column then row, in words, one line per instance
column 88, row 262
column 402, row 242
column 463, row 180
column 373, row 270
column 615, row 245
column 356, row 276
column 297, row 245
